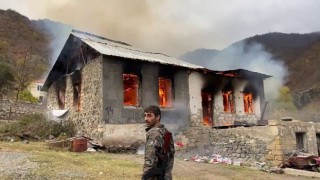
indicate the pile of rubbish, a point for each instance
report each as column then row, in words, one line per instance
column 213, row 159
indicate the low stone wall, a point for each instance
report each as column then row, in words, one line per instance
column 241, row 143
column 272, row 143
column 12, row 110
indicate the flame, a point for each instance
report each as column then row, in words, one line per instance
column 165, row 92
column 228, row 101
column 207, row 103
column 130, row 89
column 207, row 121
column 248, row 102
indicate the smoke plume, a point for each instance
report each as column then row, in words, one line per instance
column 252, row 57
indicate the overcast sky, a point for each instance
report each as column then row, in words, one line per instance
column 176, row 26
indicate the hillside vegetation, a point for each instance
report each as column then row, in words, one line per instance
column 24, row 53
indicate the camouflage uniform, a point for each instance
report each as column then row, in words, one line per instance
column 154, row 145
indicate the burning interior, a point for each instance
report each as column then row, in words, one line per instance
column 249, row 95
column 207, row 108
column 165, row 92
column 228, row 99
column 248, row 102
column 130, row 90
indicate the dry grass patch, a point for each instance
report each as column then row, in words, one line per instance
column 69, row 165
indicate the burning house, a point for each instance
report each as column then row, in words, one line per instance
column 103, row 85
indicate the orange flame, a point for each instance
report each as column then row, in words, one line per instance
column 207, row 109
column 228, row 101
column 130, row 89
column 248, row 102
column 165, row 92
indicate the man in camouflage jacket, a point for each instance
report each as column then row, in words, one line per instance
column 154, row 146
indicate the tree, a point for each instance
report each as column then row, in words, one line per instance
column 28, row 68
column 6, row 78
column 285, row 100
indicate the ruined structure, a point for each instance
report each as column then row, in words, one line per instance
column 105, row 84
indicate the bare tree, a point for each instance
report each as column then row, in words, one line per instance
column 28, row 68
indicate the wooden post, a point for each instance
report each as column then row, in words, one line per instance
column 10, row 113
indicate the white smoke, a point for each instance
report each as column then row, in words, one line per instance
column 252, row 57
column 177, row 119
column 59, row 34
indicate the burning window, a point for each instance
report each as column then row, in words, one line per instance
column 165, row 92
column 76, row 96
column 207, row 103
column 248, row 102
column 228, row 101
column 130, row 89
column 61, row 98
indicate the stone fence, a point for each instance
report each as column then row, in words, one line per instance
column 12, row 110
column 272, row 143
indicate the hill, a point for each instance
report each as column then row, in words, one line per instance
column 18, row 34
column 26, row 50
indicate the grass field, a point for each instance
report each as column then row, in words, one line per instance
column 62, row 164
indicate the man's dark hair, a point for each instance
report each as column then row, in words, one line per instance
column 153, row 109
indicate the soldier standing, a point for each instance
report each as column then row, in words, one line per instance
column 159, row 149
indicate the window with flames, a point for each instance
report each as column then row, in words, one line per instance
column 207, row 104
column 130, row 89
column 228, row 101
column 165, row 92
column 248, row 102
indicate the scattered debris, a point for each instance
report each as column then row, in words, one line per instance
column 212, row 159
column 179, row 144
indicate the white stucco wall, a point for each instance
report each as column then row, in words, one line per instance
column 33, row 88
column 123, row 131
column 196, row 81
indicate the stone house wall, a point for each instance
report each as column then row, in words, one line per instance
column 89, row 116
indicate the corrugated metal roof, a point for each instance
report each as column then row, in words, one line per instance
column 120, row 49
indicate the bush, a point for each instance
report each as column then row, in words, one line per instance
column 38, row 126
column 26, row 95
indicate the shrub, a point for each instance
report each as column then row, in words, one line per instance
column 38, row 126
column 26, row 95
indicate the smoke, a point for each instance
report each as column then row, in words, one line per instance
column 177, row 119
column 252, row 57
column 175, row 27
column 58, row 33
